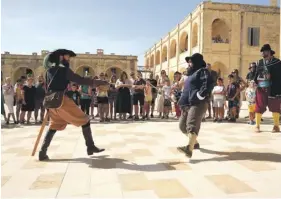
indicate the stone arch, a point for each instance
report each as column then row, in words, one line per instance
column 173, row 48
column 220, row 31
column 114, row 70
column 40, row 71
column 80, row 70
column 21, row 71
column 152, row 61
column 221, row 69
column 157, row 60
column 164, row 54
column 194, row 35
column 184, row 42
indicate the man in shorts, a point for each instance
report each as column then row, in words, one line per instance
column 153, row 83
column 138, row 96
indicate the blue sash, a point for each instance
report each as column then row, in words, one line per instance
column 263, row 84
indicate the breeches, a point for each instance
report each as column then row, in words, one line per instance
column 191, row 118
column 70, row 113
column 263, row 100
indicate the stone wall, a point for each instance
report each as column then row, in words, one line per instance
column 14, row 65
column 224, row 56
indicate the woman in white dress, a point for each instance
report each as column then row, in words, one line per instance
column 160, row 98
column 8, row 91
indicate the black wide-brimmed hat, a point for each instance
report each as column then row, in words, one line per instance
column 267, row 47
column 196, row 58
column 60, row 52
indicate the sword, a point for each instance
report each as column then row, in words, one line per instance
column 40, row 133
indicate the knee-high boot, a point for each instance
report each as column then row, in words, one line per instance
column 47, row 140
column 91, row 147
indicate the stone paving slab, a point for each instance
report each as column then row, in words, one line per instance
column 141, row 161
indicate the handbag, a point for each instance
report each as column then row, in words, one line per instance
column 53, row 99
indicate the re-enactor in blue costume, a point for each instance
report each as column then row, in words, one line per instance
column 194, row 100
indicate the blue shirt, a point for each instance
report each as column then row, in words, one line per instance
column 85, row 90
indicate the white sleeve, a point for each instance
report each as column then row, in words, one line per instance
column 15, row 87
column 118, row 83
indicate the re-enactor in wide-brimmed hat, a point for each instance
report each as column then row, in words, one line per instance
column 194, row 100
column 268, row 80
column 58, row 76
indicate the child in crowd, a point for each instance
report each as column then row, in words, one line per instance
column 219, row 100
column 112, row 97
column 232, row 96
column 19, row 98
column 251, row 99
column 102, row 98
column 94, row 101
column 167, row 98
column 74, row 94
column 147, row 98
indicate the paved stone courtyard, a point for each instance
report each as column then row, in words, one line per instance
column 141, row 161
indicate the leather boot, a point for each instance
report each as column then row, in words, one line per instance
column 91, row 147
column 47, row 140
column 183, row 149
column 196, row 145
column 192, row 142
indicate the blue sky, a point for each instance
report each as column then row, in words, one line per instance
column 117, row 26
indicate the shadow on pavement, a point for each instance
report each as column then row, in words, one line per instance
column 266, row 121
column 240, row 155
column 105, row 162
column 132, row 121
column 10, row 126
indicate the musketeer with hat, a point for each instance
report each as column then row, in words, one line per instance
column 194, row 100
column 268, row 80
column 61, row 109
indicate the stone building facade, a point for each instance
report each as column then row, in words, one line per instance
column 15, row 66
column 228, row 35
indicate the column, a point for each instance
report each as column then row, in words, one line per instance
column 168, row 53
column 178, row 47
column 161, row 55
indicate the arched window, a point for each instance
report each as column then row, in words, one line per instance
column 221, row 70
column 164, row 54
column 157, row 61
column 195, row 35
column 173, row 49
column 184, row 42
column 220, row 31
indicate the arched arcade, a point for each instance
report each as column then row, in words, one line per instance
column 82, row 70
